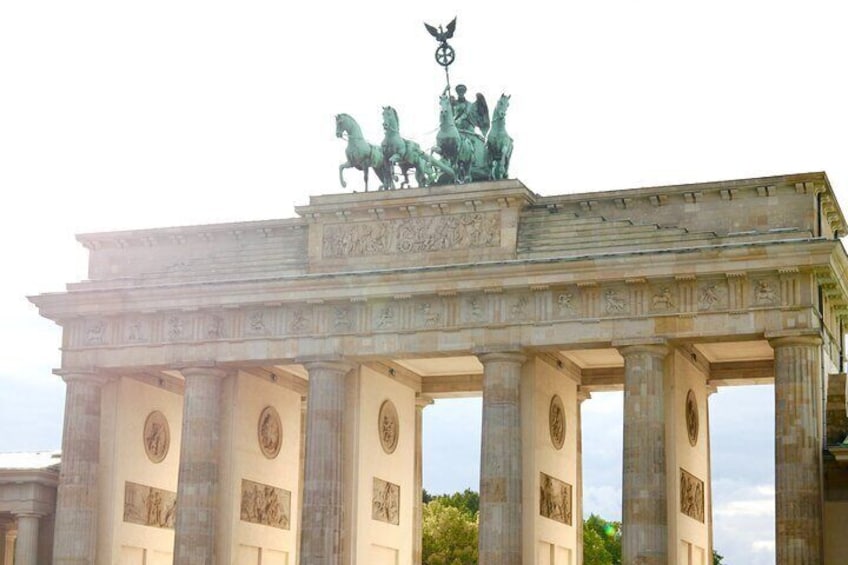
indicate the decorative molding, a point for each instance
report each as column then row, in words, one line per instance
column 388, row 426
column 556, row 421
column 269, row 432
column 156, row 436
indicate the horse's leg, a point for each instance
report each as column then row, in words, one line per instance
column 365, row 175
column 342, row 167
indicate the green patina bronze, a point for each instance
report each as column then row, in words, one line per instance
column 470, row 147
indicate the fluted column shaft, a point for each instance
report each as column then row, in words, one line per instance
column 645, row 504
column 197, row 488
column 323, row 496
column 421, row 402
column 500, row 460
column 26, row 546
column 797, row 450
column 75, row 531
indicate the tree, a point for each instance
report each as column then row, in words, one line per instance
column 450, row 535
column 468, row 501
column 718, row 558
column 601, row 541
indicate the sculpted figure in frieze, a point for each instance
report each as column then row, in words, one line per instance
column 765, row 293
column 265, row 504
column 149, row 506
column 691, row 496
column 385, row 502
column 555, row 499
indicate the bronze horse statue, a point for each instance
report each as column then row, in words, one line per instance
column 499, row 143
column 405, row 154
column 360, row 154
column 464, row 151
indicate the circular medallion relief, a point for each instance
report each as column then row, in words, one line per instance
column 387, row 426
column 157, row 436
column 270, row 432
column 556, row 419
column 692, row 417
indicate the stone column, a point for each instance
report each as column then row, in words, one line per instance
column 9, row 545
column 421, row 402
column 500, row 460
column 323, row 496
column 645, row 504
column 301, row 474
column 26, row 545
column 797, row 450
column 582, row 395
column 197, row 487
column 75, row 531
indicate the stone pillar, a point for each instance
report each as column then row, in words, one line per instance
column 301, row 474
column 75, row 533
column 26, row 545
column 323, row 496
column 421, row 402
column 197, row 487
column 9, row 545
column 500, row 460
column 645, row 503
column 578, row 497
column 797, row 450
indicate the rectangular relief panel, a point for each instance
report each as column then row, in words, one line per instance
column 265, row 504
column 555, row 499
column 149, row 506
column 385, row 502
column 248, row 555
column 691, row 496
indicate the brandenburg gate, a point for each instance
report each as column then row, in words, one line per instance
column 252, row 393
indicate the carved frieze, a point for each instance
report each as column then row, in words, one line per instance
column 412, row 235
column 385, row 502
column 157, row 436
column 149, row 506
column 615, row 302
column 566, row 304
column 95, row 332
column 555, row 499
column 137, row 331
column 388, row 426
column 265, row 504
column 556, row 421
column 662, row 300
column 692, row 418
column 256, row 323
column 712, row 295
column 429, row 314
column 691, row 495
column 765, row 292
column 269, row 432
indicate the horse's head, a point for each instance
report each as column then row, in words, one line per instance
column 501, row 107
column 390, row 119
column 339, row 125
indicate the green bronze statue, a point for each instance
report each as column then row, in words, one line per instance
column 360, row 154
column 470, row 147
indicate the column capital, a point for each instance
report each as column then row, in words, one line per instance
column 653, row 347
column 583, row 394
column 28, row 514
column 791, row 340
column 211, row 371
column 336, row 366
column 504, row 355
column 90, row 376
column 423, row 401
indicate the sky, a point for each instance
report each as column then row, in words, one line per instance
column 124, row 115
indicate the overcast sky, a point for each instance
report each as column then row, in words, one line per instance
column 118, row 115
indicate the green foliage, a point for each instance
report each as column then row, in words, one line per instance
column 718, row 558
column 450, row 534
column 466, row 501
column 601, row 541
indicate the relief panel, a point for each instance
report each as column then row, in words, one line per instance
column 555, row 499
column 149, row 506
column 412, row 235
column 385, row 502
column 265, row 504
column 691, row 495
